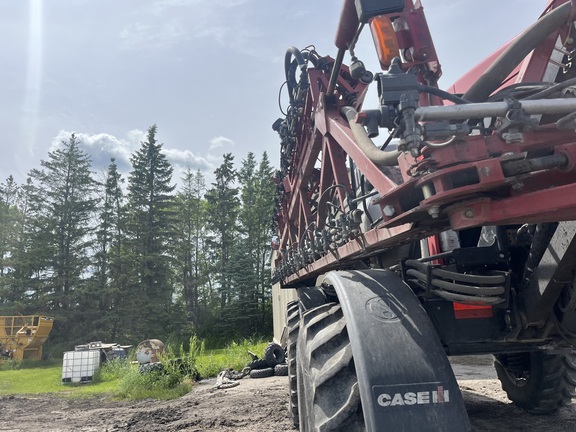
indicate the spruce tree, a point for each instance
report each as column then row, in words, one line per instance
column 9, row 228
column 190, row 239
column 222, row 210
column 62, row 204
column 255, row 216
column 20, row 288
column 150, row 225
column 109, row 281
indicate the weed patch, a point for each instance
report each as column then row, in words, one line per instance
column 122, row 379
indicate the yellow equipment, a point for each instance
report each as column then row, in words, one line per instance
column 21, row 337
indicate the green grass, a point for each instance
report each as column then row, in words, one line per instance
column 121, row 380
column 234, row 356
column 43, row 380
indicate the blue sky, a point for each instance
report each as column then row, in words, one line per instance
column 207, row 72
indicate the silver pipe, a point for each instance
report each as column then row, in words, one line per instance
column 494, row 109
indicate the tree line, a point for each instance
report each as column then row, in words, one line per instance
column 128, row 259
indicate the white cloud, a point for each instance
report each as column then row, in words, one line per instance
column 102, row 147
column 220, row 141
column 185, row 159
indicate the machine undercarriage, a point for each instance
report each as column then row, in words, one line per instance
column 453, row 235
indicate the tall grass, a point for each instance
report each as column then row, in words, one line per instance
column 234, row 356
column 172, row 379
column 122, row 379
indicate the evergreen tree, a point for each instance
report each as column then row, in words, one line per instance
column 62, row 207
column 8, row 216
column 243, row 314
column 109, row 279
column 150, row 227
column 26, row 257
column 190, row 241
column 9, row 219
column 223, row 204
column 255, row 217
column 138, row 266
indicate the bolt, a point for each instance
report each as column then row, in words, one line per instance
column 434, row 211
column 468, row 213
column 517, row 186
column 389, row 210
column 427, row 191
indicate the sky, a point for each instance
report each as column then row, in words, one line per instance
column 206, row 72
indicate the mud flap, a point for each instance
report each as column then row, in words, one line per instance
column 405, row 380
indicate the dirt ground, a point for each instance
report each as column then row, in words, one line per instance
column 255, row 405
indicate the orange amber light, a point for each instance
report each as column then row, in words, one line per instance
column 384, row 40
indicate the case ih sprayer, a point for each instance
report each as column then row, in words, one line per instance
column 440, row 223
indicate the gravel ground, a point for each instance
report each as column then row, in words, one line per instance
column 254, row 405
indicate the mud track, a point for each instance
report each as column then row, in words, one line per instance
column 255, row 405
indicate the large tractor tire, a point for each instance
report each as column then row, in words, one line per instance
column 328, row 394
column 293, row 326
column 537, row 382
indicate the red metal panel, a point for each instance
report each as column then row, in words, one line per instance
column 549, row 205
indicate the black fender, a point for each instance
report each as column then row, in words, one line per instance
column 404, row 376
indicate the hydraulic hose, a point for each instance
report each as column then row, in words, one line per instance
column 373, row 153
column 553, row 89
column 493, row 77
column 468, row 299
column 441, row 93
column 290, row 80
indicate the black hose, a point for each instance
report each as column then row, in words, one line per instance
column 460, row 277
column 468, row 289
column 513, row 90
column 553, row 89
column 458, row 288
column 335, row 72
column 492, row 78
column 289, row 71
column 442, row 93
column 470, row 278
column 466, row 298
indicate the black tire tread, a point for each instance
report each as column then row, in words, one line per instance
column 258, row 364
column 274, row 354
column 550, row 385
column 293, row 326
column 334, row 403
column 281, row 369
column 262, row 373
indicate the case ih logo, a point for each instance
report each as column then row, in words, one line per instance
column 414, row 398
